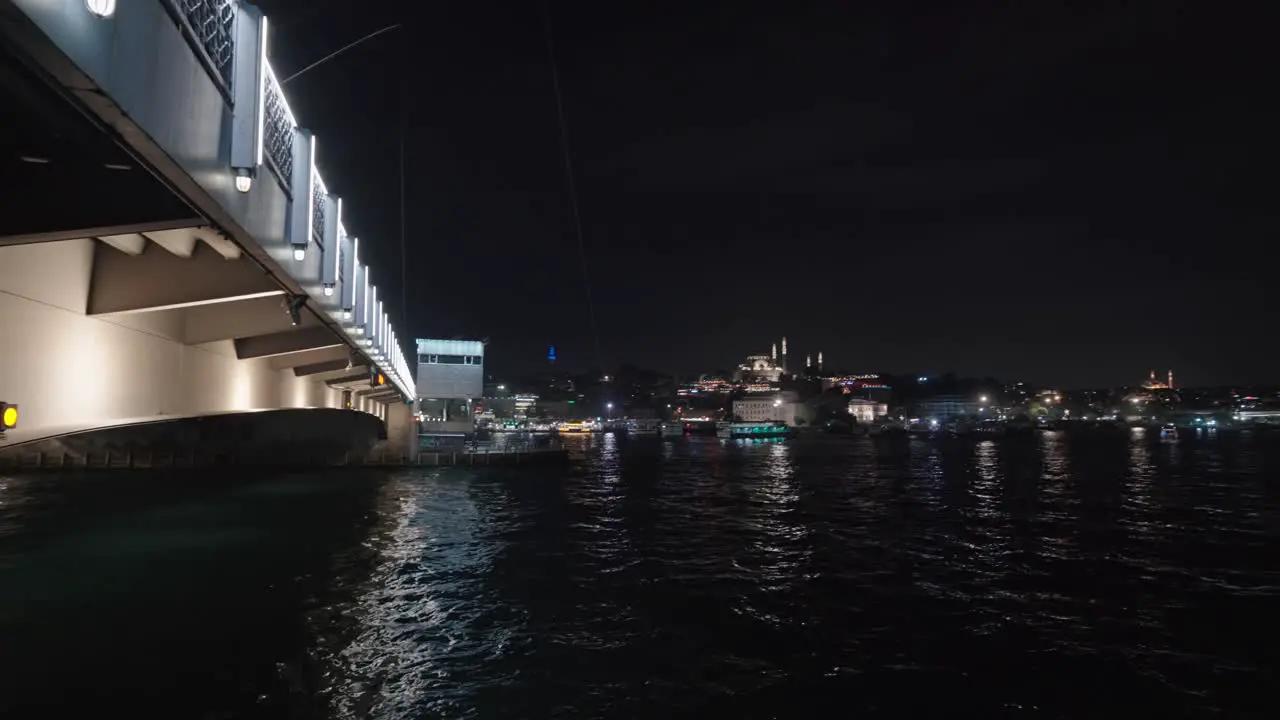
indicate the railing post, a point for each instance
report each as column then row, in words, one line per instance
column 301, row 209
column 347, row 277
column 331, row 257
column 248, row 90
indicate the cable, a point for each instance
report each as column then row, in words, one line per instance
column 404, row 132
column 339, row 51
column 569, row 179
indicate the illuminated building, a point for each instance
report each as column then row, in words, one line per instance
column 450, row 377
column 524, row 404
column 1153, row 384
column 705, row 386
column 775, row 407
column 763, row 368
column 866, row 411
column 855, row 382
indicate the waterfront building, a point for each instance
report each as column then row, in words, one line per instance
column 866, row 411
column 945, row 407
column 782, row 407
column 450, row 378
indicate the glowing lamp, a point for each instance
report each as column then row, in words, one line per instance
column 8, row 416
column 328, row 291
column 299, row 253
column 244, row 181
column 101, row 8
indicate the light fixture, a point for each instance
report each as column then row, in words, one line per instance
column 328, row 291
column 8, row 416
column 244, row 180
column 346, row 314
column 101, row 8
column 294, row 305
column 300, row 252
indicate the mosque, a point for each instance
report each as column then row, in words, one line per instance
column 769, row 368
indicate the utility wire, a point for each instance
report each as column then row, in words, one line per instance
column 339, row 51
column 569, row 178
column 404, row 132
column 404, row 129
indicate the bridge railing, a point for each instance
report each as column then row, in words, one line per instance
column 209, row 26
column 287, row 151
column 277, row 127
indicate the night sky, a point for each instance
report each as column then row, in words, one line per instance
column 1034, row 190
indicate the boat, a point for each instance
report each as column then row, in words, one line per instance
column 573, row 428
column 644, row 426
column 672, row 429
column 735, row 430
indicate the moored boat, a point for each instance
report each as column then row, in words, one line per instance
column 735, row 430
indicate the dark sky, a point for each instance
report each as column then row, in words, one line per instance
column 1032, row 190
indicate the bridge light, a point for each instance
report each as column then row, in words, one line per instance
column 293, row 304
column 8, row 416
column 244, row 181
column 328, row 291
column 101, row 8
column 300, row 252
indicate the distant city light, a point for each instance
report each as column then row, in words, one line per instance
column 982, row 399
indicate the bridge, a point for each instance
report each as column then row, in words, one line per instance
column 168, row 247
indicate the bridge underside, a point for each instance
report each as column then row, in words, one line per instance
column 117, row 300
column 62, row 175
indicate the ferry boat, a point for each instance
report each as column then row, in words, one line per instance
column 736, row 430
column 573, row 428
column 672, row 429
column 644, row 426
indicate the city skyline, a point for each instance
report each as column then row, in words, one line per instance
column 1054, row 193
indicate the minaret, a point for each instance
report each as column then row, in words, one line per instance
column 808, row 361
column 784, row 353
column 819, row 359
column 1170, row 379
column 775, row 354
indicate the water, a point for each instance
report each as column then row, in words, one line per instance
column 1053, row 576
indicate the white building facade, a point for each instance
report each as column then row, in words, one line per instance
column 780, row 407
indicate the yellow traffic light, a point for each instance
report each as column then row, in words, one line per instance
column 381, row 379
column 8, row 416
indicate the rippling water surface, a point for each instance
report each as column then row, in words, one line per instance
column 1052, row 576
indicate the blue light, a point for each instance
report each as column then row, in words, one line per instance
column 551, row 352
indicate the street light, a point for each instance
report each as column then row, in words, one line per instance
column 983, row 399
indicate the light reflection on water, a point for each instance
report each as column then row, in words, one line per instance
column 688, row 576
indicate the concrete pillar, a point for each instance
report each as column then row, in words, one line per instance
column 402, row 431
